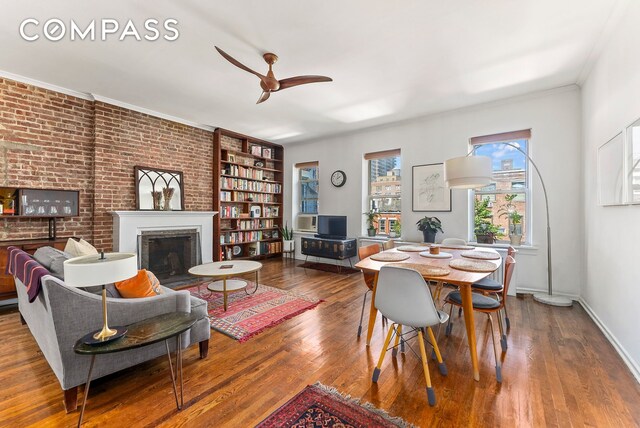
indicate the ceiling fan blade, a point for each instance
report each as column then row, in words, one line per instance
column 238, row 63
column 302, row 80
column 264, row 97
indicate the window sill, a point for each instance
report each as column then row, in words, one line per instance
column 501, row 245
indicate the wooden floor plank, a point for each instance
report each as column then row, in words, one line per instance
column 559, row 371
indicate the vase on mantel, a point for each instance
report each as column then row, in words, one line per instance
column 157, row 198
column 167, row 192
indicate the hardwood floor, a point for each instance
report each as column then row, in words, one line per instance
column 559, row 371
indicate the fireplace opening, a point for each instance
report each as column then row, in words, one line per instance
column 169, row 254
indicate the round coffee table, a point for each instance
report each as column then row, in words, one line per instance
column 225, row 270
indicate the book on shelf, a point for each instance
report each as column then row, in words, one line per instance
column 229, row 183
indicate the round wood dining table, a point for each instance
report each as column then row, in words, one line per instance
column 460, row 278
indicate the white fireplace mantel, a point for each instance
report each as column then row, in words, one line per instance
column 128, row 225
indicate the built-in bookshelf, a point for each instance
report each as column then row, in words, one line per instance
column 247, row 194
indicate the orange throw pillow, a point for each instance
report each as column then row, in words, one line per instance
column 138, row 286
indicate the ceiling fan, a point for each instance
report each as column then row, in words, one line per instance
column 269, row 83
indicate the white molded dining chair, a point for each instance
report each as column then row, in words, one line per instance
column 403, row 296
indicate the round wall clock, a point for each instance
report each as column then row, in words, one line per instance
column 338, row 178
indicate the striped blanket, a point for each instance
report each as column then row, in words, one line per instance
column 27, row 270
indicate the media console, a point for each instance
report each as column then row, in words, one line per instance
column 336, row 249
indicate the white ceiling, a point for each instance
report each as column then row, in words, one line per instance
column 390, row 60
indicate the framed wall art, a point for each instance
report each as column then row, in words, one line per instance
column 611, row 172
column 429, row 192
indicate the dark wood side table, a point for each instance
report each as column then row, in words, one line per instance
column 143, row 333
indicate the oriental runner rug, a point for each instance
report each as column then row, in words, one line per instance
column 249, row 315
column 322, row 406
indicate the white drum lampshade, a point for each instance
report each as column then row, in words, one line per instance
column 101, row 269
column 88, row 271
column 467, row 172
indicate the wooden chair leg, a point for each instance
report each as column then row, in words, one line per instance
column 503, row 336
column 506, row 315
column 376, row 371
column 447, row 331
column 204, row 348
column 441, row 365
column 431, row 395
column 71, row 399
column 495, row 350
column 394, row 352
column 364, row 301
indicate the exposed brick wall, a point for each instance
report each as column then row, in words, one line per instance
column 93, row 147
column 61, row 127
column 126, row 138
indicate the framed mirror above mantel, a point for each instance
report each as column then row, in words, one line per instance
column 158, row 189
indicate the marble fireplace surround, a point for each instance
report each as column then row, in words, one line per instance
column 128, row 225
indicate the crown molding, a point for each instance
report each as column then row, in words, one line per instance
column 45, row 85
column 153, row 113
column 96, row 97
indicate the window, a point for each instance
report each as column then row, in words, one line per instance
column 308, row 185
column 505, row 202
column 385, row 184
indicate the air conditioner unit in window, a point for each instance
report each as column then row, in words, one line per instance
column 307, row 223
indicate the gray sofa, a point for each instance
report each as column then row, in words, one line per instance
column 61, row 315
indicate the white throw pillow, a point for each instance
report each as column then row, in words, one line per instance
column 88, row 249
column 79, row 248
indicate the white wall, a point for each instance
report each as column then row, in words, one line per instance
column 610, row 102
column 553, row 116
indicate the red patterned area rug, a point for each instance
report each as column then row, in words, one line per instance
column 321, row 406
column 248, row 315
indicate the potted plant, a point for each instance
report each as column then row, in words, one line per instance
column 429, row 227
column 372, row 220
column 515, row 220
column 396, row 229
column 484, row 229
column 287, row 238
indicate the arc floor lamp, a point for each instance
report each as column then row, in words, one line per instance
column 468, row 172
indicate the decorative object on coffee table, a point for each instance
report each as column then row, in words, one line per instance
column 249, row 315
column 149, row 180
column 101, row 269
column 322, row 406
column 146, row 332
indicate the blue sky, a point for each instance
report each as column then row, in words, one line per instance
column 499, row 151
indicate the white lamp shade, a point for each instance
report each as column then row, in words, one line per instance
column 88, row 271
column 468, row 172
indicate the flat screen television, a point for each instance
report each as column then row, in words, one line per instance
column 332, row 226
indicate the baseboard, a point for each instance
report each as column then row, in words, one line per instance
column 628, row 360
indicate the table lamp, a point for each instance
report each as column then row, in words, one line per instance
column 101, row 269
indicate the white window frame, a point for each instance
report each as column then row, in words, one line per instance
column 527, row 239
column 376, row 195
column 302, row 181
